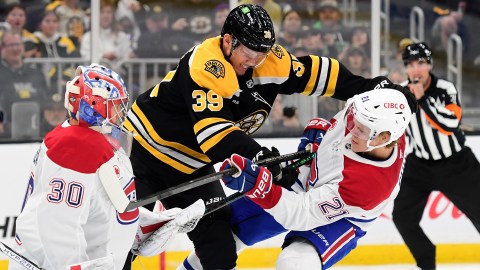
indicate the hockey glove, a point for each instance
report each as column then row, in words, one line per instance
column 275, row 169
column 255, row 181
column 313, row 134
column 249, row 176
column 157, row 228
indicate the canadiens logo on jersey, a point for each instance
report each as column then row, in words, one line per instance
column 216, row 68
column 252, row 122
column 277, row 51
column 129, row 217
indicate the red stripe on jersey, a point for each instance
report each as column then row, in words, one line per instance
column 338, row 245
column 75, row 267
column 365, row 185
column 78, row 148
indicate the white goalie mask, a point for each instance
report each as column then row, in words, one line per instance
column 380, row 110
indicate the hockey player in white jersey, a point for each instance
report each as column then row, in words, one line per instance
column 354, row 175
column 72, row 215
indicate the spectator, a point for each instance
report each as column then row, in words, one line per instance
column 311, row 40
column 115, row 45
column 17, row 18
column 125, row 15
column 192, row 20
column 439, row 161
column 53, row 45
column 19, row 82
column 361, row 38
column 73, row 20
column 306, row 9
column 53, row 114
column 290, row 119
column 291, row 27
column 330, row 24
column 448, row 23
column 397, row 75
column 357, row 61
column 220, row 13
column 152, row 40
column 272, row 7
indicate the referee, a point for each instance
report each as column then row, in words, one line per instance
column 439, row 159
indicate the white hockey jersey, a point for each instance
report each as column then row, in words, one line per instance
column 67, row 217
column 339, row 184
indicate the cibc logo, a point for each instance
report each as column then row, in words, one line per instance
column 391, row 105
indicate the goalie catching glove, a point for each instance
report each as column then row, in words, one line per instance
column 157, row 228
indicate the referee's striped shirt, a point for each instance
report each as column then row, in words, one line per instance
column 434, row 131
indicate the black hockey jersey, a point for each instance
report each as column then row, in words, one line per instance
column 202, row 112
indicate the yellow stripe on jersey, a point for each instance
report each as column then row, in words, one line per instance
column 332, row 78
column 313, row 75
column 183, row 153
column 167, row 78
column 210, row 131
column 209, row 69
column 154, row 92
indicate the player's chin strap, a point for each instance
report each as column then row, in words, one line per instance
column 12, row 254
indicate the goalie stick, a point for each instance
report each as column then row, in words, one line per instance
column 12, row 254
column 208, row 179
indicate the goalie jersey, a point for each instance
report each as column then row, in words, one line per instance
column 67, row 218
column 202, row 112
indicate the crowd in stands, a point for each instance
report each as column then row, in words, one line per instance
column 157, row 29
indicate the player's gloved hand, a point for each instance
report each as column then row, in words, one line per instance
column 313, row 134
column 275, row 169
column 157, row 228
column 251, row 179
column 289, row 176
column 411, row 99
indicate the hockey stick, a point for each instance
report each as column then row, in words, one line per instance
column 208, row 179
column 237, row 195
column 18, row 258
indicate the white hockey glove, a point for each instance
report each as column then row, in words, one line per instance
column 157, row 228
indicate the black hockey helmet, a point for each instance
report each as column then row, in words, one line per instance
column 417, row 51
column 251, row 26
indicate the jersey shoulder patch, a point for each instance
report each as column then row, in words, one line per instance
column 210, row 69
column 277, row 64
column 78, row 148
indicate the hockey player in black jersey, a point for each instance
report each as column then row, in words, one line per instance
column 203, row 111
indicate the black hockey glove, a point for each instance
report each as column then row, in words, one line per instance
column 411, row 99
column 265, row 153
column 289, row 176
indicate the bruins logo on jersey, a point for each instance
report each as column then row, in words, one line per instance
column 216, row 68
column 277, row 51
column 252, row 122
